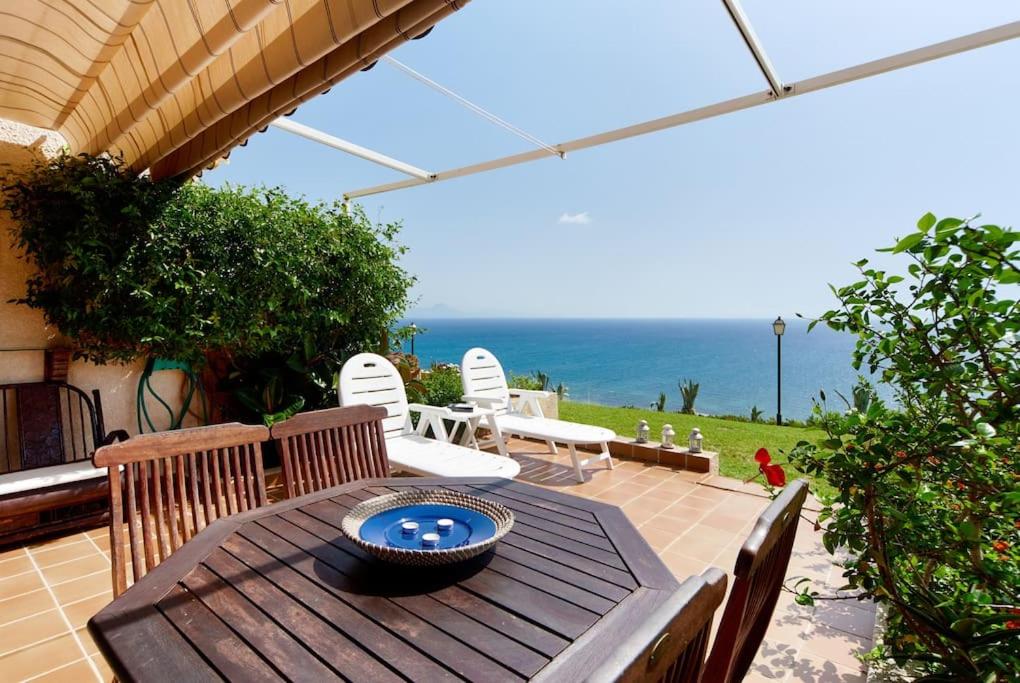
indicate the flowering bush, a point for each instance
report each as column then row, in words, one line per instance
column 928, row 492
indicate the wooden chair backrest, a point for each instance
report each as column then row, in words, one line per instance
column 370, row 379
column 326, row 448
column 47, row 423
column 169, row 486
column 481, row 374
column 670, row 646
column 758, row 579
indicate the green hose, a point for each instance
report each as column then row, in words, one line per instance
column 145, row 387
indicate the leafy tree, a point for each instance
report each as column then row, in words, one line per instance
column 927, row 500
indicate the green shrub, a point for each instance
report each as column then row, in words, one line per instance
column 442, row 385
column 928, row 493
column 529, row 382
column 128, row 267
column 283, row 288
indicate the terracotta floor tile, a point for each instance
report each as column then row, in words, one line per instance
column 25, row 605
column 690, row 503
column 775, row 660
column 699, row 545
column 657, row 538
column 32, row 630
column 88, row 564
column 57, row 541
column 86, row 640
column 836, row 646
column 16, row 564
column 811, row 669
column 105, row 672
column 10, row 554
column 717, row 519
column 682, row 566
column 85, row 587
column 72, row 673
column 39, row 658
column 79, row 613
column 25, row 582
column 58, row 554
column 674, row 525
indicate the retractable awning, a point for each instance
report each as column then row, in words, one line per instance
column 173, row 85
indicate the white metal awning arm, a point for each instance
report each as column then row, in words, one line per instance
column 351, row 148
column 743, row 25
column 902, row 60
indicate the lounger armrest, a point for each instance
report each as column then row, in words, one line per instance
column 530, row 393
column 441, row 411
column 484, row 401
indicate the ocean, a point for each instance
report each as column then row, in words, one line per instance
column 628, row 362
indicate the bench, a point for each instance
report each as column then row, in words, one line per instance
column 48, row 432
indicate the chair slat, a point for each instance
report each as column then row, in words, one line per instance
column 758, row 579
column 191, row 476
column 162, row 530
column 326, row 448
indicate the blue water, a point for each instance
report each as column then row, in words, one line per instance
column 628, row 362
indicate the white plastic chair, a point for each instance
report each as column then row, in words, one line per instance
column 369, row 379
column 484, row 384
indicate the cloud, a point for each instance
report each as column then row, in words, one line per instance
column 575, row 218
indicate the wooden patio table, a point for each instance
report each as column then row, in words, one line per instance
column 278, row 592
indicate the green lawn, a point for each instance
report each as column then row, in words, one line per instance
column 735, row 442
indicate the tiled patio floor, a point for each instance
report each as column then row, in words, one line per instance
column 49, row 590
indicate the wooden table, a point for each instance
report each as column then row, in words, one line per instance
column 279, row 593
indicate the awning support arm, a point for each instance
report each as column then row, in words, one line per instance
column 351, row 148
column 971, row 41
column 743, row 25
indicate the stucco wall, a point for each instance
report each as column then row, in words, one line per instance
column 23, row 331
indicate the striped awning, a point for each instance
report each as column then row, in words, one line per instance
column 173, row 85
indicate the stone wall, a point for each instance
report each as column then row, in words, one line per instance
column 24, row 334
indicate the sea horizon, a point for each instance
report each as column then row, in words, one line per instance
column 628, row 360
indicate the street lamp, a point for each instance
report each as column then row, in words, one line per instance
column 414, row 331
column 779, row 326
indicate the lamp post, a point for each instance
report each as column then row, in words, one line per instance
column 779, row 326
column 414, row 331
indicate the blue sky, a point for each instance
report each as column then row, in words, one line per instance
column 745, row 215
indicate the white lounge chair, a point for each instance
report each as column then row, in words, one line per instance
column 370, row 379
column 484, row 384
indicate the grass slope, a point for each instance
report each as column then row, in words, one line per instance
column 735, row 442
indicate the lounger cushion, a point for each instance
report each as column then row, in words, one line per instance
column 428, row 457
column 548, row 429
column 44, row 477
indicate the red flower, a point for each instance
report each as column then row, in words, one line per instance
column 1016, row 524
column 774, row 474
column 1013, row 624
column 762, row 456
column 901, row 454
column 1001, row 546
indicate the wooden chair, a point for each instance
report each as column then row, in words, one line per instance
column 670, row 646
column 326, row 448
column 169, row 486
column 47, row 483
column 758, row 579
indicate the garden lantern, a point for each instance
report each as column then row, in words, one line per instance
column 695, row 440
column 667, row 436
column 643, row 432
column 779, row 327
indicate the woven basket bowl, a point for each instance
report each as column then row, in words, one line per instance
column 352, row 521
